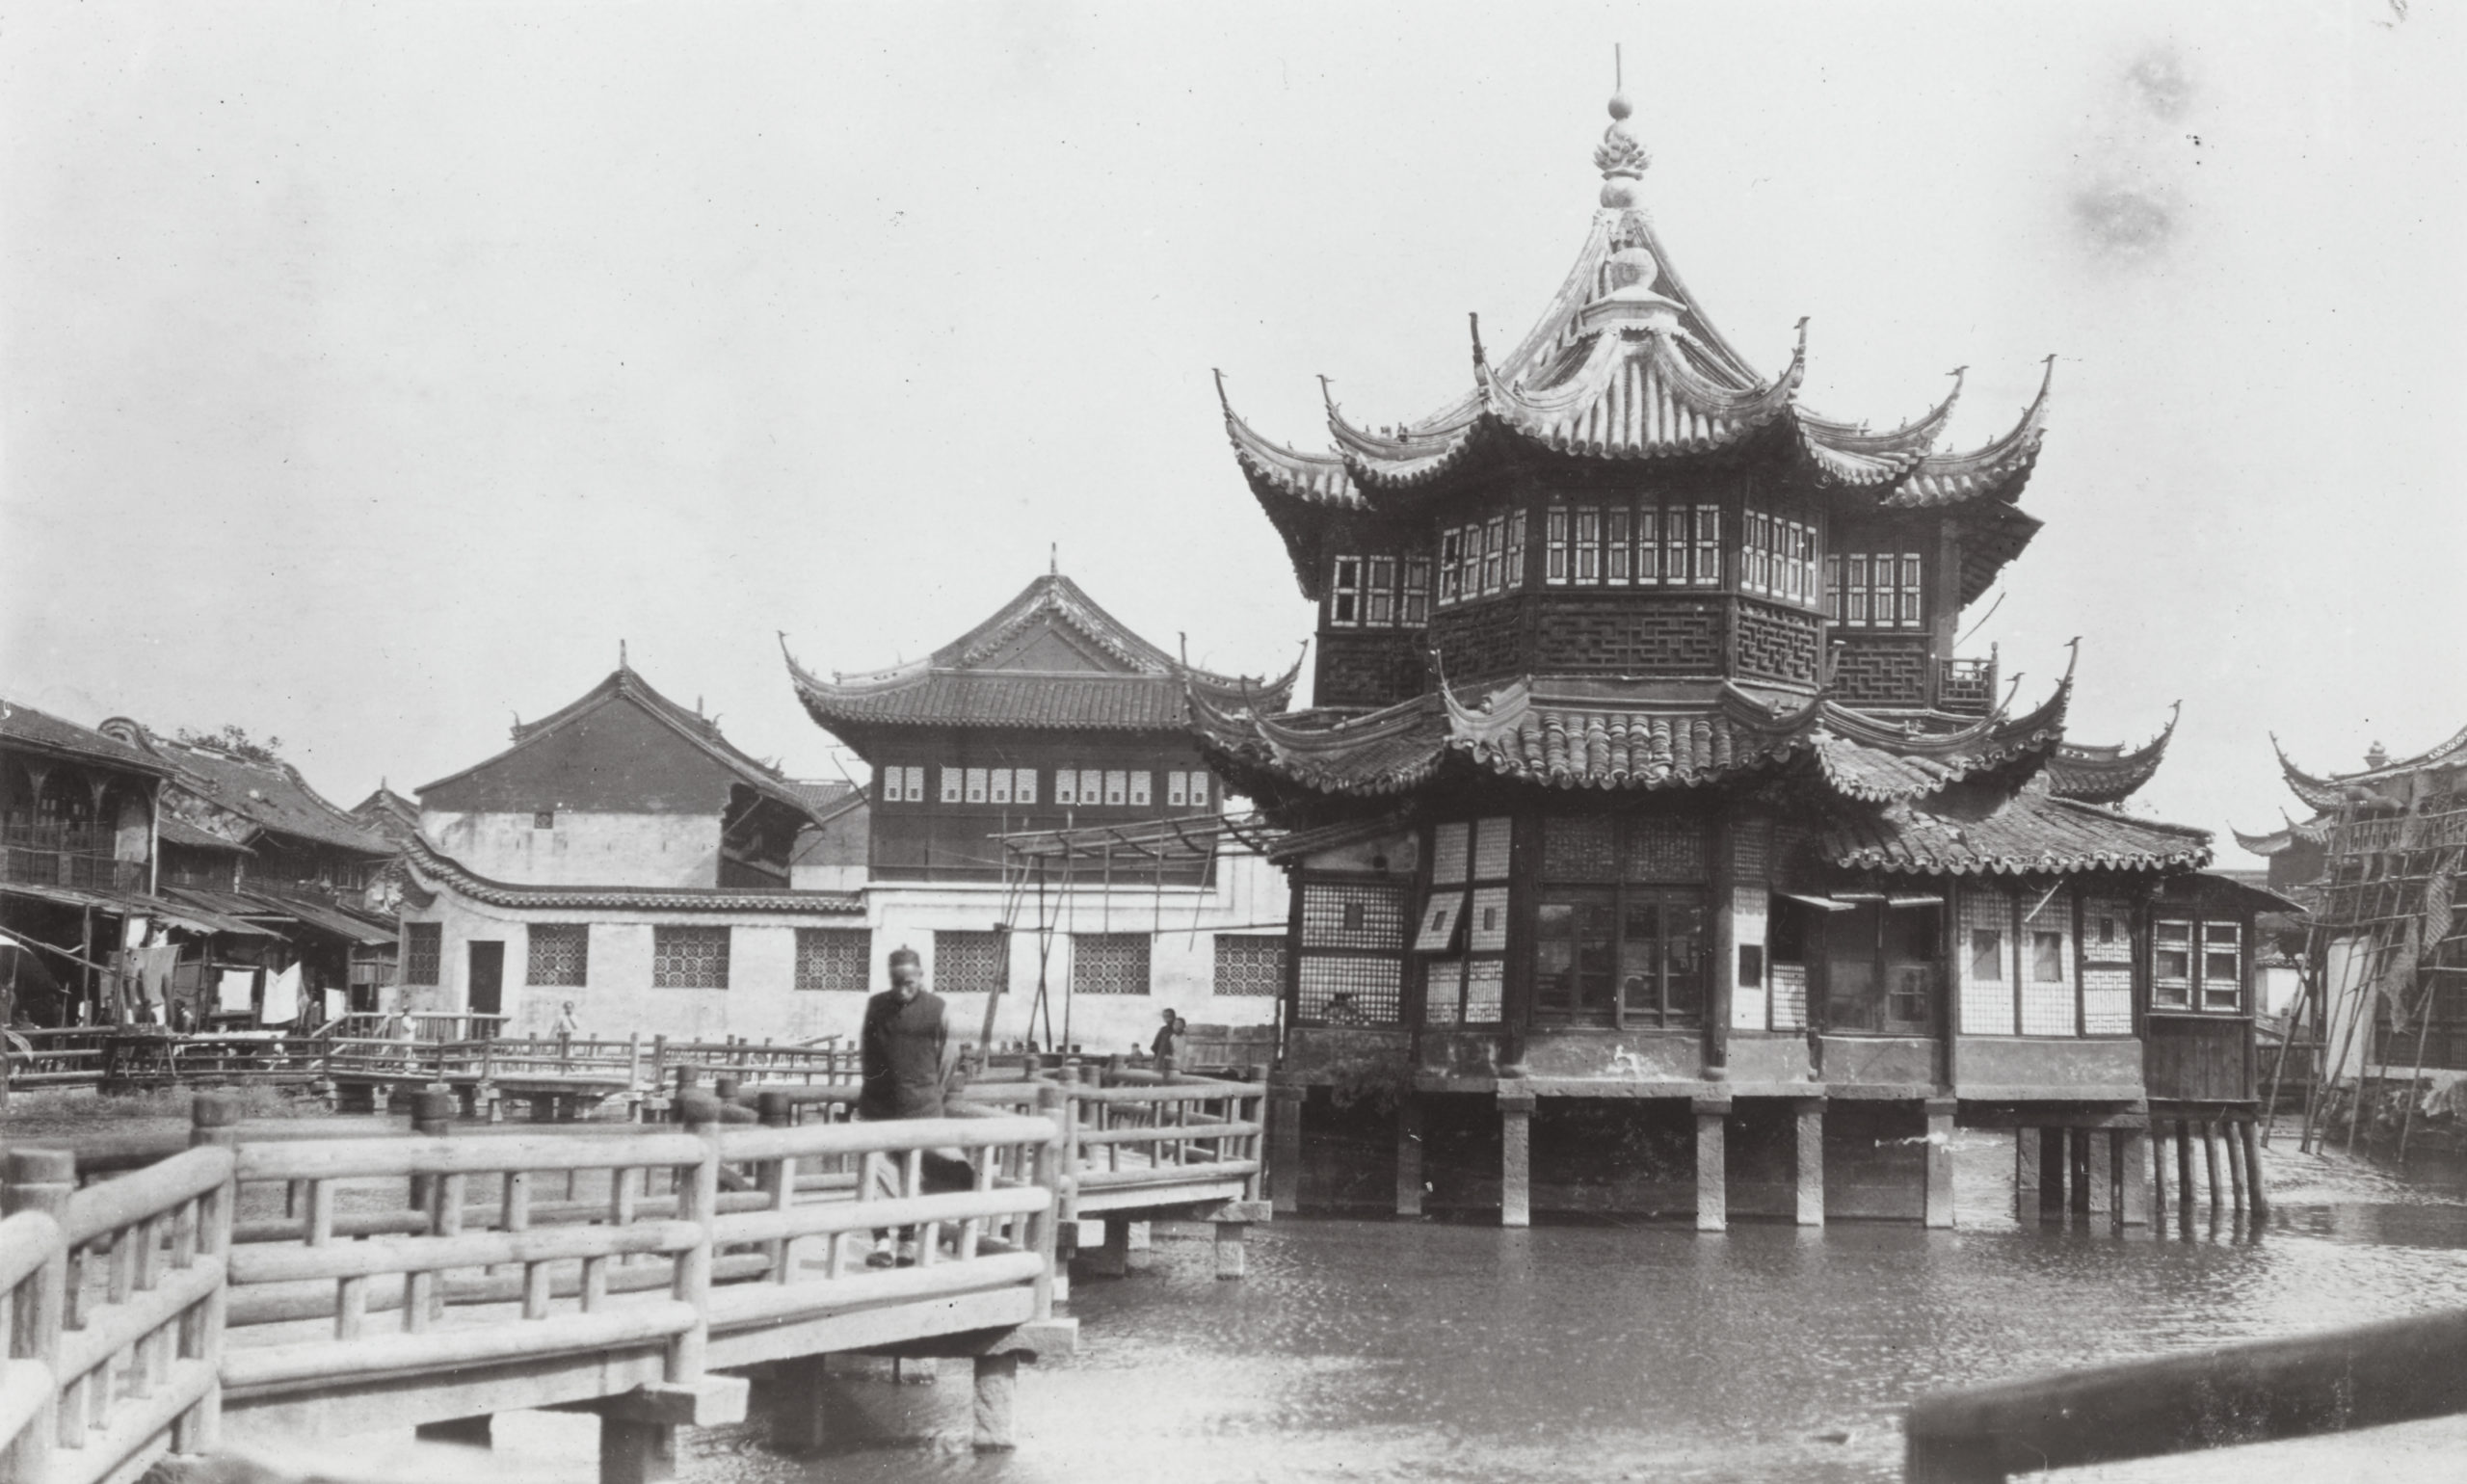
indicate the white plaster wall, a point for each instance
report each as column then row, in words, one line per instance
column 761, row 1001
column 584, row 849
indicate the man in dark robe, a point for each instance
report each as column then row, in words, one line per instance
column 904, row 1064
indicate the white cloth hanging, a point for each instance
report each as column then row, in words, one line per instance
column 283, row 997
column 232, row 991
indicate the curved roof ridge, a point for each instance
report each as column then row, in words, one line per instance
column 1855, row 456
column 1953, row 477
column 2108, row 775
column 438, row 868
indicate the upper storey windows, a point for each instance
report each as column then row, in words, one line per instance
column 1379, row 592
column 1777, row 558
column 1874, row 588
column 1482, row 558
column 1627, row 544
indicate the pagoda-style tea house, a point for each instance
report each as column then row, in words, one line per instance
column 1645, row 825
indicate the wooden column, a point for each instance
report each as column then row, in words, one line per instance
column 2159, row 1170
column 1516, row 1155
column 1409, row 1156
column 2129, row 1153
column 2076, row 1150
column 1713, row 1185
column 1724, row 968
column 2260, row 1203
column 2025, row 1174
column 997, row 1384
column 2234, row 1166
column 1808, row 1167
column 1112, row 1259
column 1940, row 1162
column 2184, row 1174
column 2210, row 1164
column 1285, row 1144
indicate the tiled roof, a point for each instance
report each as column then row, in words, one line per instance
column 967, row 682
column 431, row 870
column 27, row 726
column 175, row 831
column 1570, row 734
column 268, row 797
column 626, row 686
column 2106, row 775
column 2025, row 833
column 2329, row 794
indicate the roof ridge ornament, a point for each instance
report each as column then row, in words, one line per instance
column 1619, row 157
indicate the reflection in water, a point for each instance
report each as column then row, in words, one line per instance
column 1370, row 1350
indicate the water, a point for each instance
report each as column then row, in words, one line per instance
column 1431, row 1351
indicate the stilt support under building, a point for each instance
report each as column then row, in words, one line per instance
column 1516, row 1157
column 1712, row 1188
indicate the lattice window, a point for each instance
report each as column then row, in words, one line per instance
column 1516, row 550
column 1492, row 841
column 1350, row 915
column 954, row 784
column 1340, row 991
column 834, row 959
column 2107, row 1003
column 1486, row 921
column 1579, row 847
column 1451, row 553
column 971, row 963
column 1139, row 787
column 1664, row 849
column 1986, row 964
column 997, row 786
column 1066, row 786
column 903, row 786
column 1024, row 785
column 1450, row 852
column 2107, row 931
column 1250, row 965
column 1485, row 982
column 423, row 951
column 1789, row 995
column 1708, row 548
column 1588, row 544
column 1109, row 963
column 2223, row 980
column 1435, row 931
column 1416, row 594
column 559, row 954
column 2171, row 965
column 689, row 958
column 1554, row 546
column 1345, row 593
column 1494, row 555
column 1442, row 991
column 1379, row 595
column 976, row 784
column 1091, row 785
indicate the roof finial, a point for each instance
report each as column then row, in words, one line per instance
column 1476, row 322
column 1053, row 559
column 1620, row 158
column 621, row 656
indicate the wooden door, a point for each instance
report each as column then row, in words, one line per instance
column 487, row 983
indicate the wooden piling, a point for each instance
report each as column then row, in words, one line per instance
column 1712, row 1188
column 2235, row 1165
column 2129, row 1148
column 2258, row 1202
column 798, row 1404
column 2184, row 1174
column 1285, row 1144
column 2210, row 1164
column 1516, row 1155
column 2077, row 1150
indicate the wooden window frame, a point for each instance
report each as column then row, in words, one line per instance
column 1345, row 593
column 1555, row 546
column 1379, row 592
column 1451, row 545
column 1588, row 545
column 1414, row 603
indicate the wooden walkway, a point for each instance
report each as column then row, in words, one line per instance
column 332, row 1286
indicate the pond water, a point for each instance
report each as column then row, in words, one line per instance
column 1438, row 1351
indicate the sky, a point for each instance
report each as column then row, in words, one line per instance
column 368, row 373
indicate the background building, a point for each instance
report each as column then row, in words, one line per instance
column 1053, row 719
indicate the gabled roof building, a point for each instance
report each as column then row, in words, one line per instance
column 1053, row 719
column 1640, row 764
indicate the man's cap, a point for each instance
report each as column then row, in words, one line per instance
column 905, row 953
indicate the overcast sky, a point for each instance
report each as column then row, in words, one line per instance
column 371, row 371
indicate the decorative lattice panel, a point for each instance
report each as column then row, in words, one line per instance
column 1986, row 963
column 1450, row 852
column 1442, row 991
column 1485, row 981
column 1579, row 847
column 560, row 954
column 1494, row 848
column 834, row 957
column 1654, row 637
column 2107, row 931
column 1486, row 921
column 1250, row 963
column 2048, row 1007
column 1789, row 992
column 1752, row 853
column 1109, row 963
column 1479, row 639
column 423, row 951
column 2107, row 1003
column 1881, row 670
column 689, row 958
column 1345, row 991
column 971, row 963
column 1664, row 849
column 1777, row 642
column 1349, row 915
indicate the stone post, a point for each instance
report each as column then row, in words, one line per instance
column 2077, row 1153
column 2051, row 1175
column 1808, row 1163
column 1409, row 1156
column 1712, row 1183
column 1285, row 1144
column 997, row 1384
column 1516, row 1154
column 1940, row 1162
column 2129, row 1150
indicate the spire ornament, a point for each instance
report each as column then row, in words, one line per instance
column 1620, row 156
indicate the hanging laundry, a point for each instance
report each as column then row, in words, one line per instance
column 283, row 997
column 154, row 968
column 234, row 992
